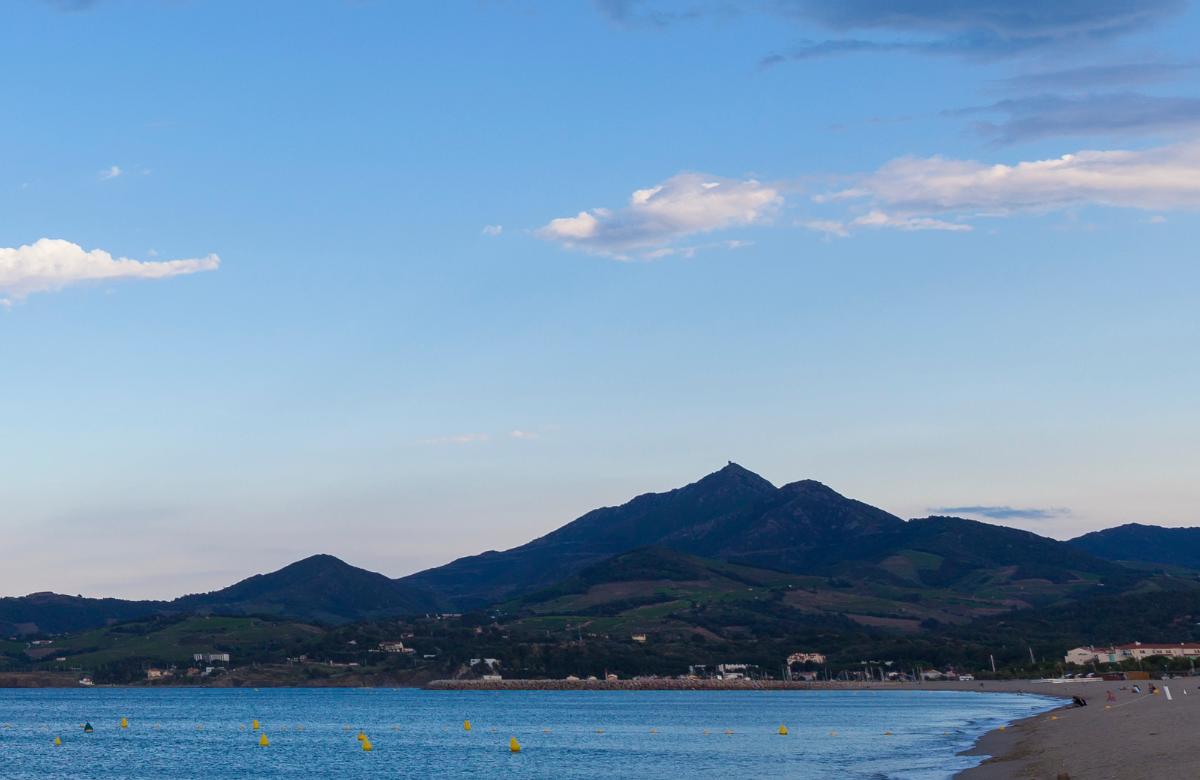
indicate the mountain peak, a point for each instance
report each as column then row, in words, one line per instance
column 733, row 473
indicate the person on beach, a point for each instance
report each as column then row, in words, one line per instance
column 1110, row 697
column 1137, row 689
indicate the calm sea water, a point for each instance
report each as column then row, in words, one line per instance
column 206, row 733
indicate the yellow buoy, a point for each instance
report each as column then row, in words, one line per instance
column 361, row 736
column 1053, row 717
column 1002, row 728
column 58, row 742
column 367, row 746
column 783, row 732
column 254, row 724
column 124, row 723
column 513, row 745
column 466, row 725
column 262, row 740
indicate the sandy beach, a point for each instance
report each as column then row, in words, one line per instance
column 1137, row 737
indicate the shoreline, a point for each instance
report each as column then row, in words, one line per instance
column 1135, row 736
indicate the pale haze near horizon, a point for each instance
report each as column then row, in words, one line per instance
column 404, row 284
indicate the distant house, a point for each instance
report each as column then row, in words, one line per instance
column 395, row 647
column 210, row 658
column 806, row 658
column 157, row 674
column 733, row 671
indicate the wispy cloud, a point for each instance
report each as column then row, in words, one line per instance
column 460, row 438
column 519, row 434
column 979, row 28
column 938, row 188
column 111, row 172
column 493, row 230
column 1086, row 77
column 1046, row 116
column 51, row 264
column 877, row 219
column 657, row 217
column 1004, row 512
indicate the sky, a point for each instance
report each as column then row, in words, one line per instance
column 402, row 282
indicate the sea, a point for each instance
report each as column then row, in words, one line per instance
column 209, row 734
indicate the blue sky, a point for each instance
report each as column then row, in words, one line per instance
column 410, row 281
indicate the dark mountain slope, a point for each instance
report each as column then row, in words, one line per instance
column 321, row 588
column 731, row 495
column 803, row 528
column 1144, row 544
column 967, row 547
column 52, row 613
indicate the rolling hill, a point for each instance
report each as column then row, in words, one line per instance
column 1144, row 544
column 320, row 588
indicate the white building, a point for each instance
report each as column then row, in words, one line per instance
column 1134, row 651
column 209, row 658
column 806, row 658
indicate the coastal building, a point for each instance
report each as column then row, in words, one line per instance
column 1133, row 651
column 395, row 647
column 211, row 658
column 806, row 658
column 157, row 674
column 639, row 638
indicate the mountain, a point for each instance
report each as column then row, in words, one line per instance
column 725, row 497
column 1144, row 544
column 320, row 588
column 804, row 528
column 53, row 613
column 730, row 527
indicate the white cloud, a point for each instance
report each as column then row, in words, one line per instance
column 917, row 190
column 111, row 172
column 684, row 205
column 493, row 230
column 519, row 434
column 51, row 264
